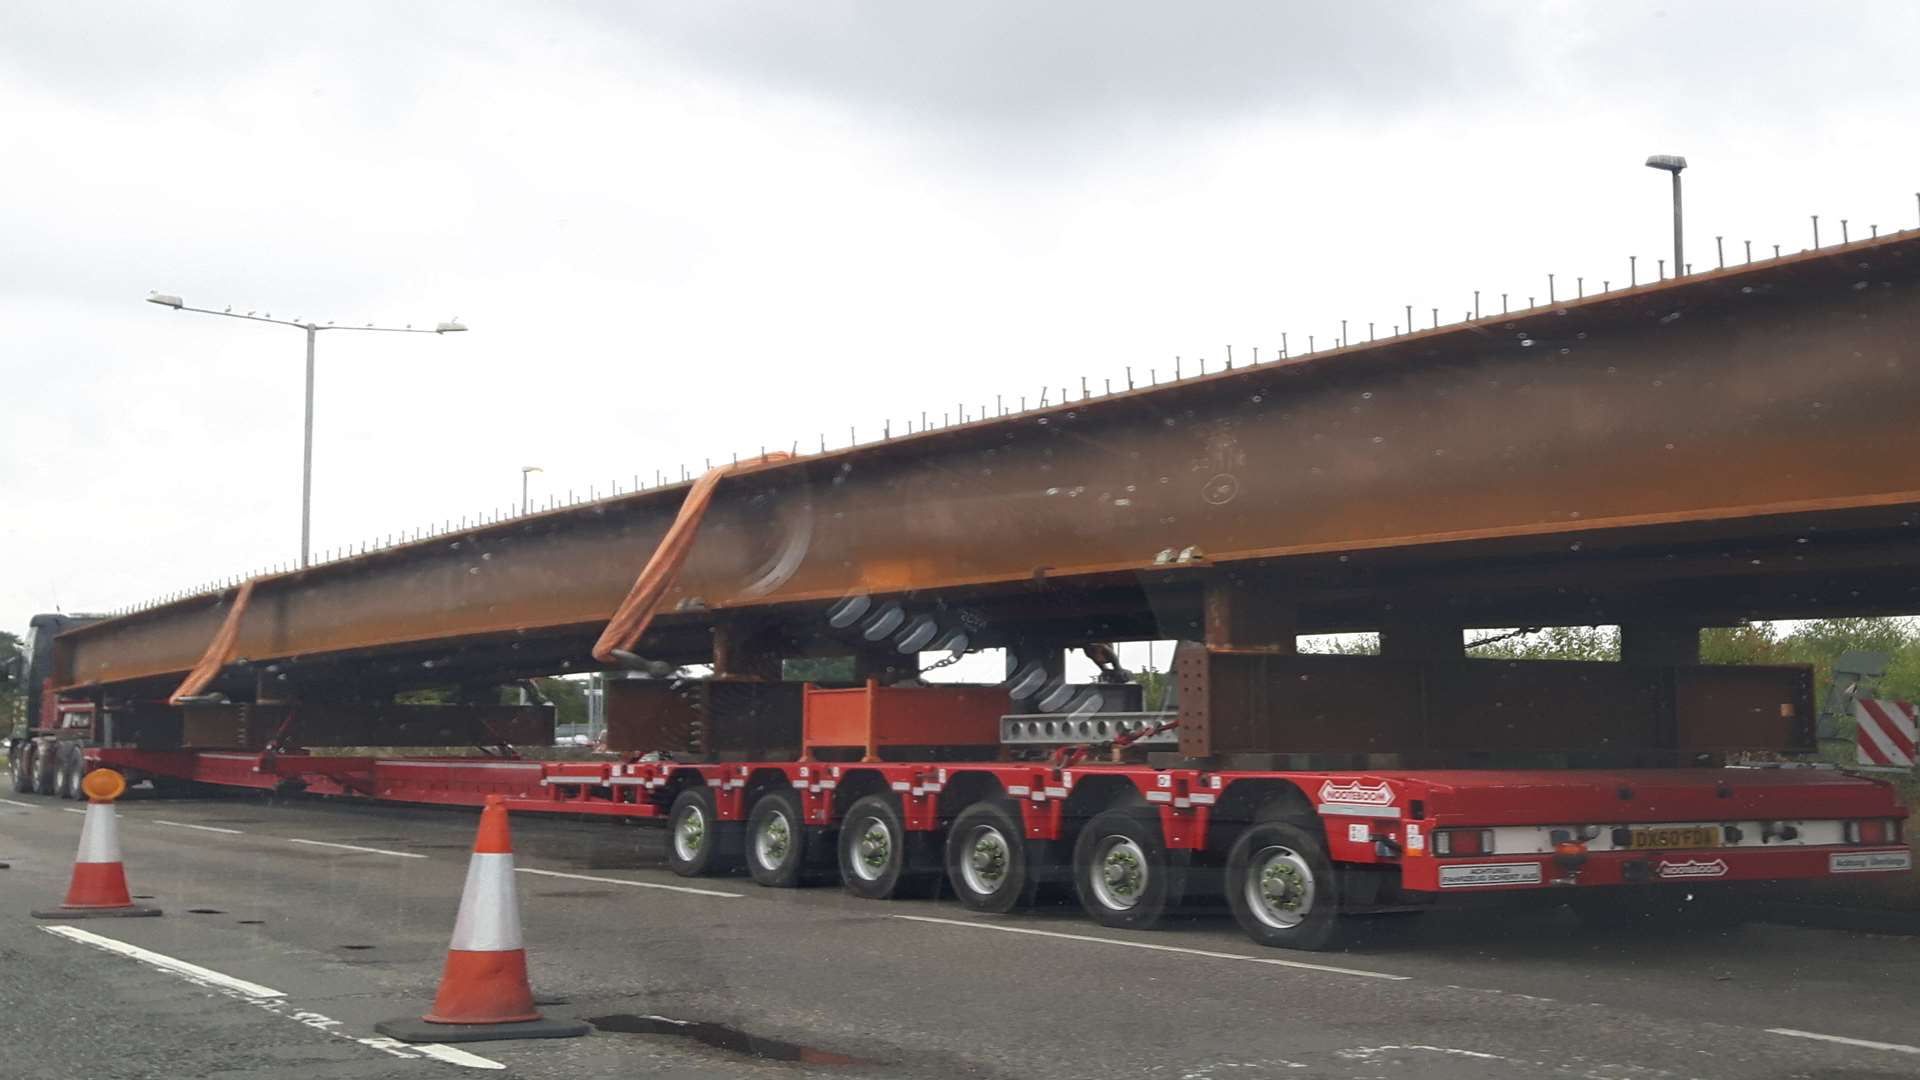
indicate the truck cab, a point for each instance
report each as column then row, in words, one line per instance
column 47, row 740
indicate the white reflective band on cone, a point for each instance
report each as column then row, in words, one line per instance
column 98, row 840
column 489, row 919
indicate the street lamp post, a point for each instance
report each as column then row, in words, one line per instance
column 526, row 471
column 313, row 330
column 1673, row 163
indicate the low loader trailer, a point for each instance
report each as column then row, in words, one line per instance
column 1105, row 803
column 1702, row 451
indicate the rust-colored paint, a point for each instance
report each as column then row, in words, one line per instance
column 1766, row 390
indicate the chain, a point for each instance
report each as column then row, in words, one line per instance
column 1522, row 632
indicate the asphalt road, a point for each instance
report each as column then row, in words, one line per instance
column 343, row 937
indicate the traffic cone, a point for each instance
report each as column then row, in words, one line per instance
column 99, row 886
column 483, row 991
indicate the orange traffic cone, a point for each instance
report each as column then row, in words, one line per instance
column 483, row 991
column 99, row 886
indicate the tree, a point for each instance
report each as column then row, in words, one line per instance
column 13, row 692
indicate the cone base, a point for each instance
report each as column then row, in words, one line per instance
column 131, row 911
column 414, row 1029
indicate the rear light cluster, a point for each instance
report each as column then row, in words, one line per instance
column 1872, row 831
column 1463, row 842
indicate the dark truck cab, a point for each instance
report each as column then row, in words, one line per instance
column 45, row 742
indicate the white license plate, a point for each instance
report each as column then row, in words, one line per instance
column 1478, row 874
column 1864, row 862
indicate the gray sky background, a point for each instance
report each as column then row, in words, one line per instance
column 682, row 231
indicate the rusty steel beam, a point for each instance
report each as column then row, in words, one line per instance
column 1780, row 390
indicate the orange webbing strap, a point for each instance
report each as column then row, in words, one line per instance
column 631, row 618
column 219, row 651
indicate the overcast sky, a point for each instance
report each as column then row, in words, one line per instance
column 679, row 231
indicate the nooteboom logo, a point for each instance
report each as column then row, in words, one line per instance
column 1357, row 792
column 1692, row 868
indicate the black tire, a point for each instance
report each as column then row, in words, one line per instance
column 46, row 767
column 879, row 858
column 72, row 765
column 777, row 840
column 989, row 862
column 22, row 767
column 1282, row 888
column 699, row 844
column 1121, row 872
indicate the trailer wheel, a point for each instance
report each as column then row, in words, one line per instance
column 22, row 765
column 878, row 856
column 776, row 840
column 1121, row 871
column 697, row 840
column 46, row 766
column 988, row 859
column 1281, row 887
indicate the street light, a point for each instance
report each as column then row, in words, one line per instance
column 1673, row 163
column 525, row 471
column 306, row 464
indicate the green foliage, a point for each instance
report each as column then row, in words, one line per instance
column 569, row 698
column 1153, row 688
column 818, row 669
column 1551, row 643
column 13, row 692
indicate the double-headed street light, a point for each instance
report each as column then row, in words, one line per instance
column 312, row 329
column 1673, row 163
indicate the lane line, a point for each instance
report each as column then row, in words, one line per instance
column 165, row 962
column 16, row 802
column 1898, row 1048
column 453, row 1055
column 190, row 825
column 1273, row 961
column 356, row 847
column 78, row 810
column 271, row 1000
column 635, row 884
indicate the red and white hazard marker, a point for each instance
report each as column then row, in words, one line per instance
column 484, row 993
column 1885, row 732
column 98, row 889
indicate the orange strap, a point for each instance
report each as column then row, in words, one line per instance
column 219, row 652
column 636, row 612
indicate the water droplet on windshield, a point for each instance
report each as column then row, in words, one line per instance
column 1526, row 343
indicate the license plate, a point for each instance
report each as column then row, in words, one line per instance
column 1690, row 836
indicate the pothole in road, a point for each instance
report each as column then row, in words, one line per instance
column 251, row 922
column 723, row 1037
column 358, row 948
column 204, row 911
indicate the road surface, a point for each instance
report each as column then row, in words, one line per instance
column 308, row 922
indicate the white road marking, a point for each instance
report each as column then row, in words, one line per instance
column 1274, row 961
column 455, row 1055
column 15, row 802
column 356, row 847
column 1898, row 1048
column 202, row 828
column 271, row 1000
column 168, row 963
column 79, row 810
column 635, row 884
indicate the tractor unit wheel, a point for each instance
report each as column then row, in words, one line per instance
column 21, row 765
column 46, row 766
